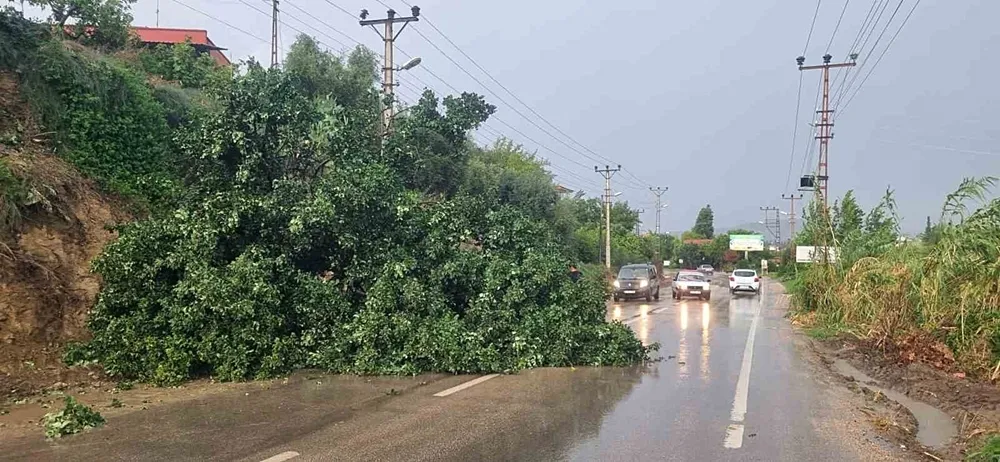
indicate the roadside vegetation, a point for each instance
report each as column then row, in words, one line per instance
column 939, row 293
column 73, row 418
column 279, row 230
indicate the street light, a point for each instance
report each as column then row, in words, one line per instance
column 413, row 62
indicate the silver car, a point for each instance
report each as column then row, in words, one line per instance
column 692, row 284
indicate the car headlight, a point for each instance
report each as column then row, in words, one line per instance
column 617, row 285
column 643, row 283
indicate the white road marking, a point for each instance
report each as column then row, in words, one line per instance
column 734, row 433
column 465, row 385
column 734, row 437
column 282, row 457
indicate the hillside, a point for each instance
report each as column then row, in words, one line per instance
column 54, row 224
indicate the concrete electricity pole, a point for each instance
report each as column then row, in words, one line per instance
column 772, row 224
column 659, row 190
column 607, row 172
column 638, row 231
column 274, row 31
column 791, row 198
column 388, row 37
column 825, row 124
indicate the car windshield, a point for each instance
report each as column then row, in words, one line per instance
column 633, row 273
column 706, row 266
column 690, row 277
column 744, row 273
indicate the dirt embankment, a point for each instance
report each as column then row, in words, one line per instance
column 59, row 224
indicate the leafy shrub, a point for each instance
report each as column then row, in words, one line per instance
column 73, row 418
column 282, row 260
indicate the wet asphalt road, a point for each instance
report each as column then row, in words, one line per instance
column 679, row 408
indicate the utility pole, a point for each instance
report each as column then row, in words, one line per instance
column 274, row 31
column 639, row 222
column 658, row 191
column 791, row 198
column 607, row 172
column 773, row 225
column 825, row 124
column 388, row 37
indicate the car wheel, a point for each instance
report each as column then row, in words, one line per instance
column 649, row 296
column 615, row 298
column 732, row 291
column 708, row 297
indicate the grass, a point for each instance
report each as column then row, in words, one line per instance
column 947, row 288
column 988, row 452
column 825, row 331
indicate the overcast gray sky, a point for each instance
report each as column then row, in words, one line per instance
column 697, row 96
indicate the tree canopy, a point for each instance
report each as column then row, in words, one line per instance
column 704, row 224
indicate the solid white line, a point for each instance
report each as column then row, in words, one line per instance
column 743, row 384
column 282, row 457
column 465, row 385
column 734, row 437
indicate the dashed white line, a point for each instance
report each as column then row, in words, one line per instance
column 734, row 437
column 465, row 385
column 734, row 433
column 282, row 457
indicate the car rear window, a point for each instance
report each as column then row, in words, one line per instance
column 744, row 273
column 690, row 277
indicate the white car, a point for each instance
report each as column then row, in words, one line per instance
column 744, row 280
column 691, row 283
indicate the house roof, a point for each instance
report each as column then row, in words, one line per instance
column 198, row 37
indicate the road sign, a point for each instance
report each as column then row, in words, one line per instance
column 746, row 242
column 812, row 254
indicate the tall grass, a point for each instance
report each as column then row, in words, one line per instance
column 947, row 288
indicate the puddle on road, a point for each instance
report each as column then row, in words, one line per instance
column 935, row 429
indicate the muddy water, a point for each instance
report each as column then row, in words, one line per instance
column 935, row 429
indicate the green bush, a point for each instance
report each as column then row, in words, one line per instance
column 280, row 260
column 73, row 418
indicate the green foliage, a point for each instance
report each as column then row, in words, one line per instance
column 946, row 287
column 99, row 23
column 704, row 224
column 321, row 74
column 989, row 451
column 301, row 246
column 13, row 195
column 73, row 418
column 183, row 64
column 102, row 114
column 429, row 146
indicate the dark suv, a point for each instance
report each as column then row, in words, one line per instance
column 637, row 281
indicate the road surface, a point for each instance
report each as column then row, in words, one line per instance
column 732, row 385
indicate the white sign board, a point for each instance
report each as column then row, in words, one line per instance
column 810, row 254
column 746, row 242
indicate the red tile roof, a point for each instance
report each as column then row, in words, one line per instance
column 198, row 37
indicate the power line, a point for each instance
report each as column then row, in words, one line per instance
column 795, row 131
column 811, row 27
column 286, row 14
column 835, row 29
column 185, row 5
column 501, row 99
column 843, row 90
column 884, row 50
column 864, row 31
